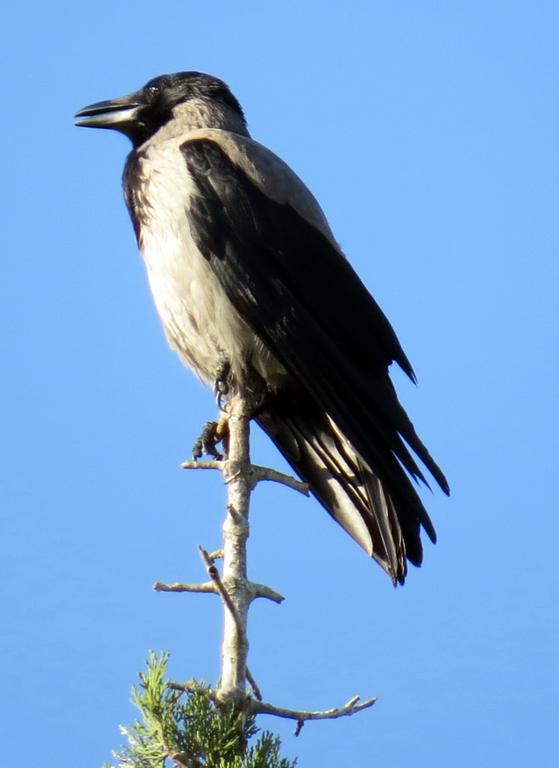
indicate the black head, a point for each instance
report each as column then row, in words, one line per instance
column 142, row 113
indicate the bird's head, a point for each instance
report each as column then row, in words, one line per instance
column 144, row 112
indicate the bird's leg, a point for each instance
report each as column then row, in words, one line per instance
column 213, row 433
column 221, row 380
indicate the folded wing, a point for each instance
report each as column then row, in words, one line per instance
column 344, row 431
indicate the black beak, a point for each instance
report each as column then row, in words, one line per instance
column 114, row 113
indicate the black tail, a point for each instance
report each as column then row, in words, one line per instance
column 385, row 521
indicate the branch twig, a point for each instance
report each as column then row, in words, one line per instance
column 350, row 708
column 213, row 573
column 261, row 590
column 197, row 464
column 206, row 587
column 258, row 474
column 253, row 685
column 219, row 587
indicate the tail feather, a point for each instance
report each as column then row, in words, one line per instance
column 381, row 522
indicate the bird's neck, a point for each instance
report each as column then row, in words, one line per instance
column 202, row 113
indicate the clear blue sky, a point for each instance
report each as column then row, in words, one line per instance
column 429, row 132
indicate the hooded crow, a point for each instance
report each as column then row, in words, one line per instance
column 252, row 287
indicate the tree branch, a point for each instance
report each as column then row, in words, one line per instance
column 196, row 464
column 219, row 587
column 253, row 684
column 258, row 474
column 206, row 587
column 236, row 592
column 350, row 708
column 261, row 590
column 233, row 586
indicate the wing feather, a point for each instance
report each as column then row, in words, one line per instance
column 302, row 298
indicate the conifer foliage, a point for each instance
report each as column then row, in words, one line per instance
column 183, row 726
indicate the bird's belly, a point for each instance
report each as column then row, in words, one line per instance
column 199, row 321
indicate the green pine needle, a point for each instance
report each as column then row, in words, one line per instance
column 186, row 729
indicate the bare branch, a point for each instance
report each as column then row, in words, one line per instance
column 253, row 685
column 219, row 587
column 233, row 585
column 301, row 716
column 258, row 474
column 207, row 587
column 210, row 464
column 261, row 590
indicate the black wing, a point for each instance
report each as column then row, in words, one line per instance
column 303, row 299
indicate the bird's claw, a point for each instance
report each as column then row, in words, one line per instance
column 213, row 433
column 221, row 383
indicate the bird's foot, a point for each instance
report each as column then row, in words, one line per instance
column 213, row 433
column 221, row 381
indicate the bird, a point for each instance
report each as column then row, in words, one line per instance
column 256, row 296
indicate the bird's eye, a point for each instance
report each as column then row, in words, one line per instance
column 152, row 92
